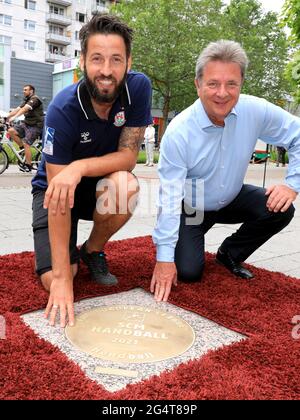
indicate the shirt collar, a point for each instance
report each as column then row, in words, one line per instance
column 86, row 103
column 204, row 120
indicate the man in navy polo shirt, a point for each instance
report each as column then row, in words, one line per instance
column 93, row 133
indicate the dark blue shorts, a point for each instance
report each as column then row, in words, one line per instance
column 84, row 206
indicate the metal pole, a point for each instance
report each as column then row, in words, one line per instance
column 266, row 162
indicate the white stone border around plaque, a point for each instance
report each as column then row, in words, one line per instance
column 116, row 376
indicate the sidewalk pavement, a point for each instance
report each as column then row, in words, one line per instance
column 281, row 253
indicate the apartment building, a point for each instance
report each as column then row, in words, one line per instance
column 34, row 35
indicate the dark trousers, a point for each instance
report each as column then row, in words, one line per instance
column 259, row 225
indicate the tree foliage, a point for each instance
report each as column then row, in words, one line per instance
column 169, row 36
column 293, row 75
column 292, row 19
column 265, row 42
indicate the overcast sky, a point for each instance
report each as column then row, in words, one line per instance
column 275, row 5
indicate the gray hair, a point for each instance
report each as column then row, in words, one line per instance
column 226, row 51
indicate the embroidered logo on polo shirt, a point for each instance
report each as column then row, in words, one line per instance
column 120, row 119
column 49, row 140
column 85, row 138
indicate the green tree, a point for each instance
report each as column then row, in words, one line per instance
column 293, row 76
column 265, row 42
column 291, row 11
column 169, row 35
column 292, row 19
column 168, row 38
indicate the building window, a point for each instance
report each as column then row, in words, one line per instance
column 77, row 53
column 76, row 35
column 80, row 17
column 57, row 30
column 56, row 49
column 6, row 40
column 30, row 4
column 29, row 25
column 57, row 10
column 29, row 45
column 5, row 20
column 5, row 1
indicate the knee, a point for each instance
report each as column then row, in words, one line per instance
column 290, row 213
column 190, row 274
column 125, row 181
column 118, row 191
column 126, row 186
column 287, row 216
column 11, row 131
column 46, row 280
column 119, row 182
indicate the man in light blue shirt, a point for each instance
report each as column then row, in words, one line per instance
column 211, row 144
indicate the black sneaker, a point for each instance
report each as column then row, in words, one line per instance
column 97, row 265
column 24, row 167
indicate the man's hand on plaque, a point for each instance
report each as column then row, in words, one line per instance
column 61, row 300
column 164, row 276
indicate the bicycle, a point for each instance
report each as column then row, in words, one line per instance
column 20, row 154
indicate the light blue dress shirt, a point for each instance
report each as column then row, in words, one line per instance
column 194, row 148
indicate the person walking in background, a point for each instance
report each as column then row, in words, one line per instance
column 25, row 133
column 149, row 145
column 280, row 156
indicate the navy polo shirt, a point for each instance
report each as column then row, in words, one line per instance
column 73, row 131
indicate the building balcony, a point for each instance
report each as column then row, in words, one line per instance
column 61, row 2
column 58, row 19
column 58, row 39
column 96, row 8
column 55, row 57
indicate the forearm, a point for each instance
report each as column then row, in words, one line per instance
column 293, row 172
column 13, row 112
column 59, row 235
column 172, row 174
column 20, row 112
column 104, row 165
column 165, row 237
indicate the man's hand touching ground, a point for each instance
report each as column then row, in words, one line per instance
column 61, row 301
column 164, row 276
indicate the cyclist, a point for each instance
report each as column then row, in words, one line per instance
column 26, row 132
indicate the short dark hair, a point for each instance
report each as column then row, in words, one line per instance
column 31, row 87
column 105, row 24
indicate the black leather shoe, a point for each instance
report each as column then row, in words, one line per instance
column 225, row 259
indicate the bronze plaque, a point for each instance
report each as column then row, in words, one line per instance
column 131, row 334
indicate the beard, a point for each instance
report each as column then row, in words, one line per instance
column 104, row 96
